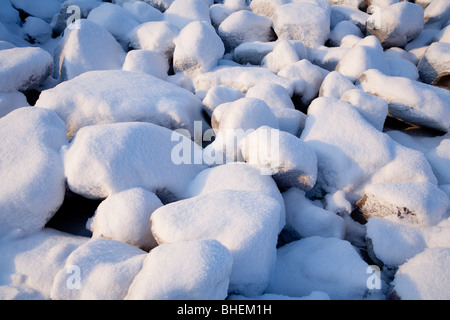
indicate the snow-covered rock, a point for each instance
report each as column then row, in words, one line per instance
column 266, row 7
column 100, row 269
column 147, row 61
column 302, row 21
column 403, row 68
column 342, row 12
column 237, row 176
column 273, row 94
column 342, row 29
column 412, row 283
column 125, row 216
column 252, row 52
column 198, row 49
column 374, row 109
column 290, row 161
column 335, row 130
column 10, row 101
column 282, row 55
column 220, row 94
column 32, row 167
column 366, row 54
column 439, row 159
column 182, row 12
column 86, row 48
column 24, row 68
column 44, row 9
column 155, row 35
column 184, row 270
column 143, row 12
column 417, row 203
column 118, row 21
column 437, row 14
column 245, row 26
column 314, row 263
column 435, row 61
column 394, row 243
column 32, row 261
column 37, row 30
column 247, row 225
column 409, row 100
column 97, row 97
column 110, row 158
column 334, row 85
column 396, row 24
column 305, row 219
column 161, row 5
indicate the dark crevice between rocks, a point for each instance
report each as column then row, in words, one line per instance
column 73, row 215
column 32, row 96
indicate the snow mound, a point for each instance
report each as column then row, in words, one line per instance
column 247, row 225
column 125, row 216
column 23, row 69
column 99, row 97
column 100, row 269
column 411, row 283
column 35, row 188
column 110, row 158
column 314, row 263
column 184, row 270
column 86, row 48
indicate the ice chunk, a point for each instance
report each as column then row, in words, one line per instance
column 32, row 167
column 302, row 21
column 237, row 176
column 290, row 161
column 118, row 21
column 198, row 49
column 118, row 96
column 245, row 26
column 147, row 61
column 247, row 224
column 329, row 265
column 182, row 12
column 106, row 159
column 435, row 61
column 184, row 270
column 396, row 24
column 32, row 262
column 409, row 100
column 412, row 283
column 86, row 48
column 11, row 101
column 23, row 69
column 125, row 216
column 417, row 203
column 305, row 219
column 100, row 269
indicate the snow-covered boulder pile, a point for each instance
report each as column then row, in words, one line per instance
column 224, row 150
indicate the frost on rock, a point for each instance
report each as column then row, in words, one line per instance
column 125, row 216
column 24, row 68
column 329, row 265
column 33, row 168
column 184, row 270
column 247, row 224
column 409, row 100
column 86, row 48
column 99, row 97
column 100, row 269
column 110, row 158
